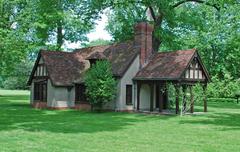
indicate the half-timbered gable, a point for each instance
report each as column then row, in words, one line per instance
column 195, row 71
column 40, row 70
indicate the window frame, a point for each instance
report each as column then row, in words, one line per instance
column 129, row 94
column 40, row 91
column 80, row 98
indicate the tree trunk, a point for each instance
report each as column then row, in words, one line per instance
column 156, row 43
column 156, row 38
column 59, row 35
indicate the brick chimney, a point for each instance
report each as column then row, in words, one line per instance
column 143, row 39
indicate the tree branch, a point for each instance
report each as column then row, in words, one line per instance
column 197, row 1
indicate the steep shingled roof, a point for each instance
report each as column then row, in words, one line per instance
column 67, row 68
column 166, row 65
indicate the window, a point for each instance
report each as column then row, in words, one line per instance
column 40, row 91
column 128, row 94
column 80, row 95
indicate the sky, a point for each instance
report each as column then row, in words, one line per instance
column 98, row 33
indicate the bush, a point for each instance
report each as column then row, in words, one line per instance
column 19, row 77
column 221, row 100
column 100, row 84
column 226, row 88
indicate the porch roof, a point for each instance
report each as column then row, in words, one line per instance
column 166, row 65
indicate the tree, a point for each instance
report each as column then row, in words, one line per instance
column 26, row 26
column 14, row 44
column 97, row 42
column 164, row 13
column 57, row 21
column 100, row 84
column 210, row 26
column 19, row 76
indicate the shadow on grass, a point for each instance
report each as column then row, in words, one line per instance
column 223, row 115
column 17, row 114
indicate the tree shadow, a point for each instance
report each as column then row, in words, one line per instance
column 18, row 115
column 229, row 120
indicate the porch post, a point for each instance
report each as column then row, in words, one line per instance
column 160, row 97
column 166, row 94
column 192, row 99
column 184, row 97
column 138, row 94
column 205, row 97
column 151, row 96
column 177, row 98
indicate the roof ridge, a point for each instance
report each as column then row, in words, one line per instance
column 115, row 43
column 55, row 51
column 173, row 51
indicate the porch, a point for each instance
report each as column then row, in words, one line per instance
column 153, row 96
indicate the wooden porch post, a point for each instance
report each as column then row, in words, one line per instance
column 151, row 95
column 177, row 98
column 191, row 99
column 160, row 97
column 166, row 94
column 138, row 94
column 184, row 97
column 205, row 97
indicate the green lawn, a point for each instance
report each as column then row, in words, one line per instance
column 23, row 129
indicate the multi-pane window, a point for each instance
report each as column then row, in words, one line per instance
column 128, row 94
column 80, row 93
column 40, row 91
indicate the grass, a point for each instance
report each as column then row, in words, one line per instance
column 23, row 129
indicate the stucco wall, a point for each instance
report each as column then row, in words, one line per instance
column 145, row 97
column 59, row 97
column 127, row 79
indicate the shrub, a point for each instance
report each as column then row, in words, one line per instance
column 100, row 84
column 18, row 78
column 226, row 88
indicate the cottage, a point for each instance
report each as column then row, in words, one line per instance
column 57, row 79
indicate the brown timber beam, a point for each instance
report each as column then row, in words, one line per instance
column 205, row 97
column 138, row 94
column 191, row 99
column 184, row 87
column 151, row 96
column 177, row 98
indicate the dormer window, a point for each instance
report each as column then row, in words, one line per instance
column 97, row 56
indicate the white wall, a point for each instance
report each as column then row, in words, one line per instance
column 127, row 79
column 145, row 97
column 60, row 96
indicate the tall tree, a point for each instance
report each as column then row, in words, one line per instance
column 57, row 21
column 164, row 13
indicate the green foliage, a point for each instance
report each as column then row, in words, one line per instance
column 225, row 88
column 19, row 77
column 121, row 21
column 211, row 27
column 97, row 42
column 100, row 84
column 222, row 100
